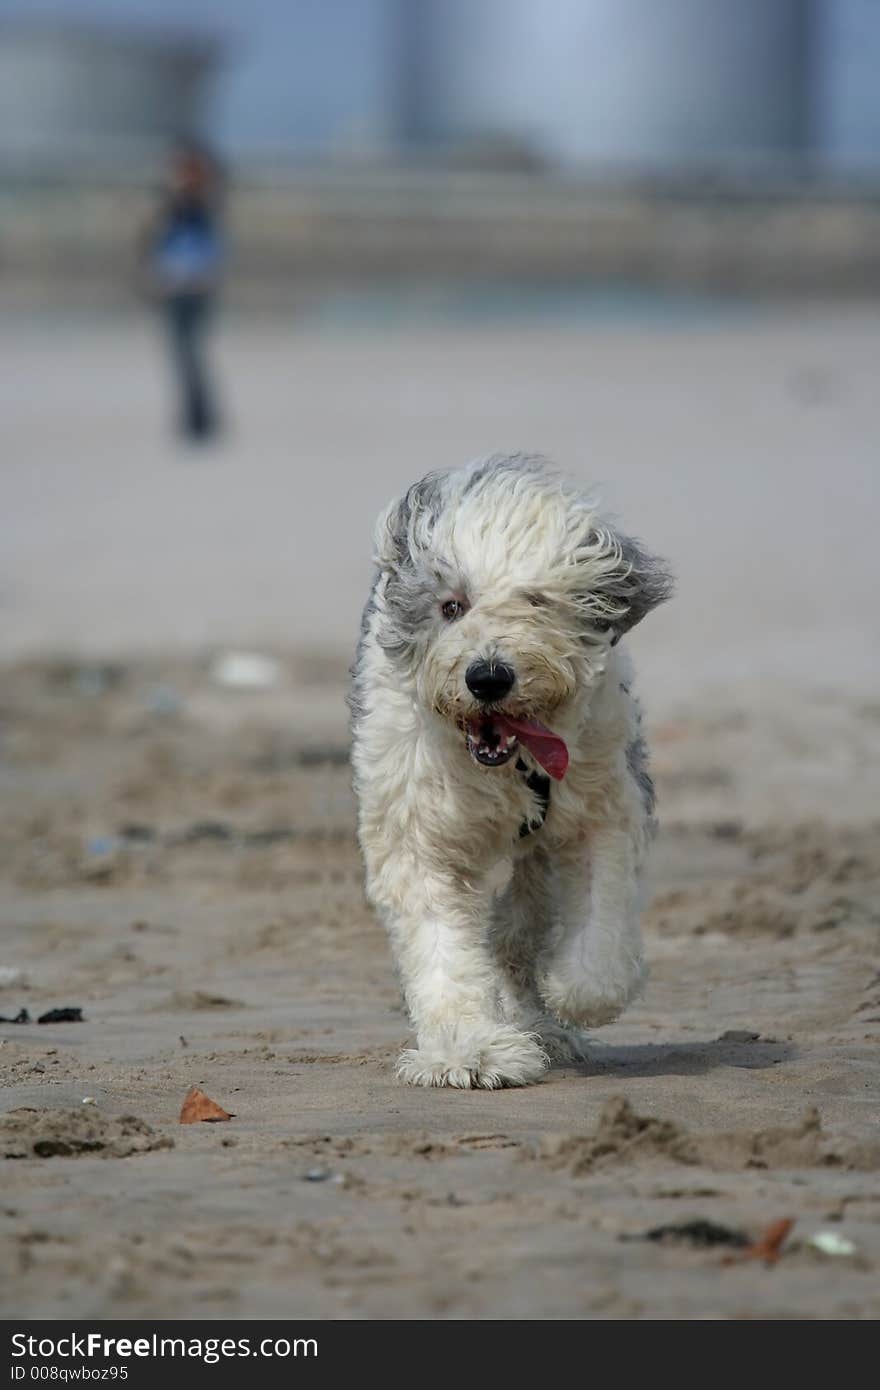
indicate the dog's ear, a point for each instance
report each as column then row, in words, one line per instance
column 629, row 583
column 406, row 525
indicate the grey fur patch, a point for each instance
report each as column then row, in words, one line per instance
column 637, row 760
column 410, row 601
column 499, row 465
column 412, row 521
column 413, row 582
column 648, row 584
column 640, row 582
column 355, row 696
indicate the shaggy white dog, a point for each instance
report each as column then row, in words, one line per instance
column 494, row 725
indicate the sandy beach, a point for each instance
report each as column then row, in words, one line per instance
column 177, row 858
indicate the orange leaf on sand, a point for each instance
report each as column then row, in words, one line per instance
column 197, row 1106
column 769, row 1247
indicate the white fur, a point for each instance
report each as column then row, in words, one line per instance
column 498, row 985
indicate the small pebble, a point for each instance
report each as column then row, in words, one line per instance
column 163, row 699
column 317, row 1175
column 246, row 671
column 89, row 1100
column 101, row 845
column 830, row 1243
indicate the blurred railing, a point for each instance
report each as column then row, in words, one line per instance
column 72, row 237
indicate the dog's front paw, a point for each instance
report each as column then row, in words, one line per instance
column 591, row 1001
column 564, row 1046
column 469, row 1058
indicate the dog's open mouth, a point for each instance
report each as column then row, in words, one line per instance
column 492, row 740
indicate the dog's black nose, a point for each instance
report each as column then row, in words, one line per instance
column 489, row 680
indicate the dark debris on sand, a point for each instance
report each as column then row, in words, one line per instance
column 65, row 1015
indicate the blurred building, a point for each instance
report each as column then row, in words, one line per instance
column 847, row 86
column 594, row 85
column 649, row 85
column 75, row 94
column 632, row 84
column 721, row 143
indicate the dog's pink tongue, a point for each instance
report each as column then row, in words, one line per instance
column 546, row 748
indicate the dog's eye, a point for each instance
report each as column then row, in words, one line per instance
column 607, row 628
column 453, row 608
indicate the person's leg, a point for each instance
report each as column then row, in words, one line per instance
column 202, row 415
column 186, row 316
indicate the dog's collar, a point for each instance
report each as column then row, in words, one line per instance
column 540, row 785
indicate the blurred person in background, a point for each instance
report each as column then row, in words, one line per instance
column 182, row 256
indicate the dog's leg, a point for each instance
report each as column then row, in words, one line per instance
column 439, row 928
column 523, row 919
column 594, row 966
